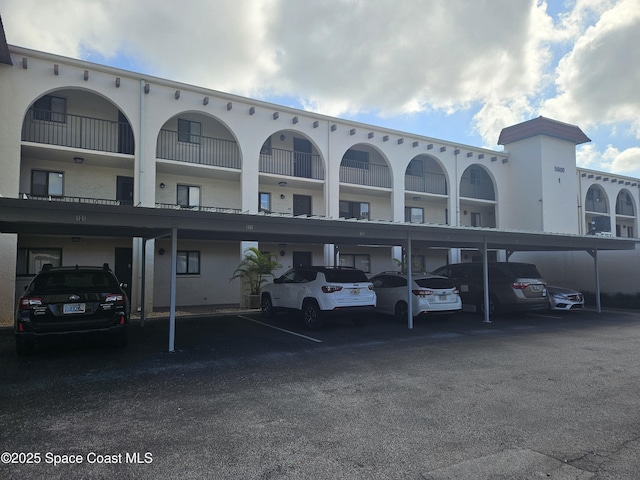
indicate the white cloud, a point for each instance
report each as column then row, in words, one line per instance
column 611, row 159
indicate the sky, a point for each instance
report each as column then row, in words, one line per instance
column 457, row 70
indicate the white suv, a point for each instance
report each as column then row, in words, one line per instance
column 430, row 294
column 318, row 291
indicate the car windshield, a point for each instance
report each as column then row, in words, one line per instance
column 345, row 276
column 74, row 280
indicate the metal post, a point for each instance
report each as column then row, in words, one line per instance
column 143, row 281
column 409, row 283
column 485, row 280
column 172, row 310
column 594, row 254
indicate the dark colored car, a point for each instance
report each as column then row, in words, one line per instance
column 512, row 286
column 71, row 300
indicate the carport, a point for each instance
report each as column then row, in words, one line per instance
column 20, row 216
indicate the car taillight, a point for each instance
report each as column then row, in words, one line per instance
column 331, row 288
column 116, row 298
column 25, row 303
column 520, row 285
column 422, row 293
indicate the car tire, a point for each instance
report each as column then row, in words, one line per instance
column 266, row 306
column 401, row 312
column 24, row 346
column 311, row 315
column 494, row 306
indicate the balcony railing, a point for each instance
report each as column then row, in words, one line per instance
column 598, row 206
column 197, row 208
column 76, row 131
column 427, row 183
column 65, row 199
column 291, row 163
column 364, row 173
column 476, row 188
column 199, row 149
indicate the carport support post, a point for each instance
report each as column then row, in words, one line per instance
column 172, row 309
column 409, row 283
column 594, row 254
column 485, row 279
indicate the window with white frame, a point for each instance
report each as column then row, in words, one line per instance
column 188, row 196
column 50, row 109
column 31, row 260
column 189, row 131
column 45, row 183
column 356, row 260
column 188, row 262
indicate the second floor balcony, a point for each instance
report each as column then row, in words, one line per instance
column 426, row 182
column 184, row 147
column 77, row 131
column 365, row 173
column 291, row 163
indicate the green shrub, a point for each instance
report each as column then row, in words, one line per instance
column 614, row 300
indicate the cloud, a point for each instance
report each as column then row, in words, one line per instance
column 598, row 80
column 611, row 159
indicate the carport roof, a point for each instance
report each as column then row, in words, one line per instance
column 85, row 219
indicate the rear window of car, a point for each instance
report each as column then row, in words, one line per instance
column 525, row 271
column 439, row 283
column 345, row 276
column 76, row 280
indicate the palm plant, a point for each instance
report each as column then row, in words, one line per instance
column 256, row 268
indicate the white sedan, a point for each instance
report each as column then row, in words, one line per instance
column 564, row 299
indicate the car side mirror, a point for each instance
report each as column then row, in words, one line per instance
column 124, row 286
column 278, row 280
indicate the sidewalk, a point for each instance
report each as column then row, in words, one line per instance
column 194, row 311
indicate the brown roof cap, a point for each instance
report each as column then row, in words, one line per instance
column 542, row 126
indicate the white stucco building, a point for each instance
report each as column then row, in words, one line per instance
column 73, row 131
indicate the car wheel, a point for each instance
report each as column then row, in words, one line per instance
column 401, row 312
column 266, row 306
column 24, row 346
column 311, row 315
column 493, row 305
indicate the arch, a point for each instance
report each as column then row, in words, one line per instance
column 293, row 153
column 365, row 164
column 93, row 125
column 596, row 200
column 476, row 182
column 625, row 203
column 197, row 137
column 426, row 174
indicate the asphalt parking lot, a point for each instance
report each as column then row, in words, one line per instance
column 530, row 396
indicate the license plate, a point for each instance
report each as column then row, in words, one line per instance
column 443, row 298
column 535, row 288
column 355, row 291
column 70, row 308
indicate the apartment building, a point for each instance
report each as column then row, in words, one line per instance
column 78, row 132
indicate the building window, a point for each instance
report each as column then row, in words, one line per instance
column 476, row 220
column 264, row 202
column 189, row 131
column 188, row 263
column 416, row 168
column 413, row 215
column 359, row 210
column 188, row 196
column 360, row 261
column 50, row 109
column 356, row 159
column 31, row 260
column 45, row 183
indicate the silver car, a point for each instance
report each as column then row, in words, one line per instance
column 430, row 294
column 564, row 299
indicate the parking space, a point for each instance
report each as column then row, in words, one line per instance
column 552, row 395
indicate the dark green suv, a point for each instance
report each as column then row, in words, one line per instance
column 512, row 286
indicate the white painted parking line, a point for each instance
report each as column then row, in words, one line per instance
column 281, row 329
column 544, row 316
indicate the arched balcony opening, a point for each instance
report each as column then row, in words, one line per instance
column 477, row 198
column 425, row 192
column 626, row 223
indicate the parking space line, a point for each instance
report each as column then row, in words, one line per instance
column 281, row 329
column 544, row 316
